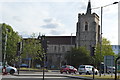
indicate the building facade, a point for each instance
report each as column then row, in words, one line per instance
column 58, row 46
column 88, row 29
column 87, row 35
column 116, row 49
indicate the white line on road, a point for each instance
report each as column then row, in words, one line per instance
column 10, row 76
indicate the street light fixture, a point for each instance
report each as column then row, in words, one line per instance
column 101, row 26
column 102, row 16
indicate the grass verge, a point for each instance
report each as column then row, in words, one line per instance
column 31, row 69
column 102, row 76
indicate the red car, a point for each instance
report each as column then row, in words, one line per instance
column 68, row 69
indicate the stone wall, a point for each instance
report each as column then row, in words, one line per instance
column 87, row 37
column 56, row 55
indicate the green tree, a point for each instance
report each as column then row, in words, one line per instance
column 105, row 50
column 32, row 48
column 79, row 56
column 11, row 43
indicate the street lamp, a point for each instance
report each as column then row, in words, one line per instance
column 5, row 48
column 102, row 16
column 71, row 47
column 101, row 27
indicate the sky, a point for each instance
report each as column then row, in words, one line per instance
column 56, row 17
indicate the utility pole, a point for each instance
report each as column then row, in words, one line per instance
column 5, row 48
column 101, row 39
column 101, row 29
column 71, row 47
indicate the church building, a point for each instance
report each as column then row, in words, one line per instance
column 87, row 35
column 88, row 29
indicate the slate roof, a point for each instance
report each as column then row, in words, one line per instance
column 61, row 40
column 64, row 40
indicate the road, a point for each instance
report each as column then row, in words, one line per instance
column 40, row 79
column 37, row 76
column 10, row 77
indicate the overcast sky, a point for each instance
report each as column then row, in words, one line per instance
column 56, row 17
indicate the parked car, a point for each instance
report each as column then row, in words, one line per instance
column 9, row 69
column 24, row 65
column 38, row 66
column 68, row 69
column 87, row 69
column 110, row 69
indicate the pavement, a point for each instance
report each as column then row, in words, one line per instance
column 55, row 75
column 50, row 73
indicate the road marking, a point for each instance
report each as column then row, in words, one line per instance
column 11, row 76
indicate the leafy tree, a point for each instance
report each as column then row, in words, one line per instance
column 104, row 51
column 79, row 56
column 11, row 43
column 32, row 48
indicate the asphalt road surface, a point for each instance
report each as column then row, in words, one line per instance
column 9, row 77
column 38, row 76
column 39, row 79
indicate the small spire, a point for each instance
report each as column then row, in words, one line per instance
column 89, row 8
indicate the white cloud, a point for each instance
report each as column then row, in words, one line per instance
column 56, row 32
column 51, row 23
column 55, row 17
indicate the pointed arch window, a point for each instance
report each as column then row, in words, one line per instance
column 86, row 26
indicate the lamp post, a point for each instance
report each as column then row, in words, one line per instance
column 101, row 28
column 71, row 47
column 5, row 48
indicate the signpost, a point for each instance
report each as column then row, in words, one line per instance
column 108, row 61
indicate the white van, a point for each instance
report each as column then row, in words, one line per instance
column 87, row 69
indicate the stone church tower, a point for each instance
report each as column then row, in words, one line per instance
column 88, row 29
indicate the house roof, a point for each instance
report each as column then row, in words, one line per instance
column 64, row 40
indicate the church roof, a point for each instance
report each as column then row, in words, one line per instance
column 58, row 40
column 64, row 40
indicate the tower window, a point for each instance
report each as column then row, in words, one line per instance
column 63, row 48
column 86, row 26
column 55, row 48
